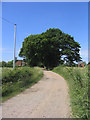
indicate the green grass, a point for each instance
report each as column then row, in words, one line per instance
column 77, row 80
column 16, row 81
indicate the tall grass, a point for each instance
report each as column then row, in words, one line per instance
column 0, row 84
column 15, row 81
column 77, row 79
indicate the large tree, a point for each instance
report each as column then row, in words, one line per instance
column 49, row 48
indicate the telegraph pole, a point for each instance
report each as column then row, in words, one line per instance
column 14, row 47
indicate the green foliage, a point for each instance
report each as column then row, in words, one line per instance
column 15, row 75
column 3, row 64
column 14, row 81
column 77, row 79
column 49, row 47
column 0, row 64
column 9, row 64
column 88, row 91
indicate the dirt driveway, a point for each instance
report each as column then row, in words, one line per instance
column 47, row 99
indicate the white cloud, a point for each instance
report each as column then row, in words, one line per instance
column 84, row 53
column 18, row 51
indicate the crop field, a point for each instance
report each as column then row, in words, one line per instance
column 77, row 80
column 16, row 81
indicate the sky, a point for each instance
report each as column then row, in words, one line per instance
column 37, row 17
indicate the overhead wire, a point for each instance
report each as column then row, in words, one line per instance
column 7, row 20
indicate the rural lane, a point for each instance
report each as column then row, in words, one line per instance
column 48, row 98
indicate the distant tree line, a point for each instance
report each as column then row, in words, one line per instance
column 50, row 49
column 7, row 64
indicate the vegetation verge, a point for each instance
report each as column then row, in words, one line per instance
column 77, row 80
column 16, row 81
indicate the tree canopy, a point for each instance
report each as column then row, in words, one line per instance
column 50, row 49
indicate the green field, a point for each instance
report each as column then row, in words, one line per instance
column 16, row 81
column 77, row 80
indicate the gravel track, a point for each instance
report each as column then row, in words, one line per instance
column 48, row 98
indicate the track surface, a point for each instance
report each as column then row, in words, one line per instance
column 47, row 99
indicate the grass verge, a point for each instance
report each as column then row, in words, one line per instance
column 16, row 81
column 77, row 80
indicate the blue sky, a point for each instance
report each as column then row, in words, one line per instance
column 35, row 18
